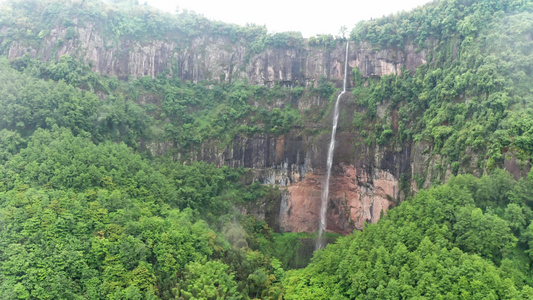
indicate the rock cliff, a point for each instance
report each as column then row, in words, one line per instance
column 366, row 180
column 214, row 58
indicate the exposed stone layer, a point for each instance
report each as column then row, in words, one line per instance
column 216, row 58
column 365, row 179
column 356, row 198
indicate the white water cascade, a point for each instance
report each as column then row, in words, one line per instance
column 320, row 243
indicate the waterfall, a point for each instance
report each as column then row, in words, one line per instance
column 320, row 243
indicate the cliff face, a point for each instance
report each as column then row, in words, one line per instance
column 214, row 58
column 365, row 180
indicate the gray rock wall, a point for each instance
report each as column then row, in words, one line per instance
column 366, row 179
column 216, row 58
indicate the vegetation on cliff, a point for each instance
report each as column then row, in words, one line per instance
column 39, row 94
column 472, row 101
column 86, row 211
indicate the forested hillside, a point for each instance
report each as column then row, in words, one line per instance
column 130, row 173
column 469, row 238
column 472, row 100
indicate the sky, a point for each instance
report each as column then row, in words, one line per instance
column 291, row 15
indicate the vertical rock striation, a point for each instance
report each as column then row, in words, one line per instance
column 365, row 180
column 214, row 58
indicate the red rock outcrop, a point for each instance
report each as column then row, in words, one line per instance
column 356, row 198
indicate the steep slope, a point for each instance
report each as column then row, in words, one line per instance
column 423, row 83
column 146, row 156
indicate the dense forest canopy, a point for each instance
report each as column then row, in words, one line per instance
column 473, row 95
column 87, row 211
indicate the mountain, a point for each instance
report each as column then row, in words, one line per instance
column 229, row 127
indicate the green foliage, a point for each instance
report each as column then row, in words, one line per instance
column 82, row 216
column 357, row 77
column 473, row 94
column 327, row 41
column 28, row 103
column 10, row 144
column 325, row 88
column 127, row 20
column 289, row 39
column 437, row 245
column 385, row 136
column 484, row 234
column 191, row 114
column 81, row 220
column 208, row 281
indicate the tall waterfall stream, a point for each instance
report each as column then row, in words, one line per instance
column 320, row 243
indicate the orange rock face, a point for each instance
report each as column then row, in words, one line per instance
column 355, row 198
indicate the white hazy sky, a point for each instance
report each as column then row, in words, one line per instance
column 309, row 18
